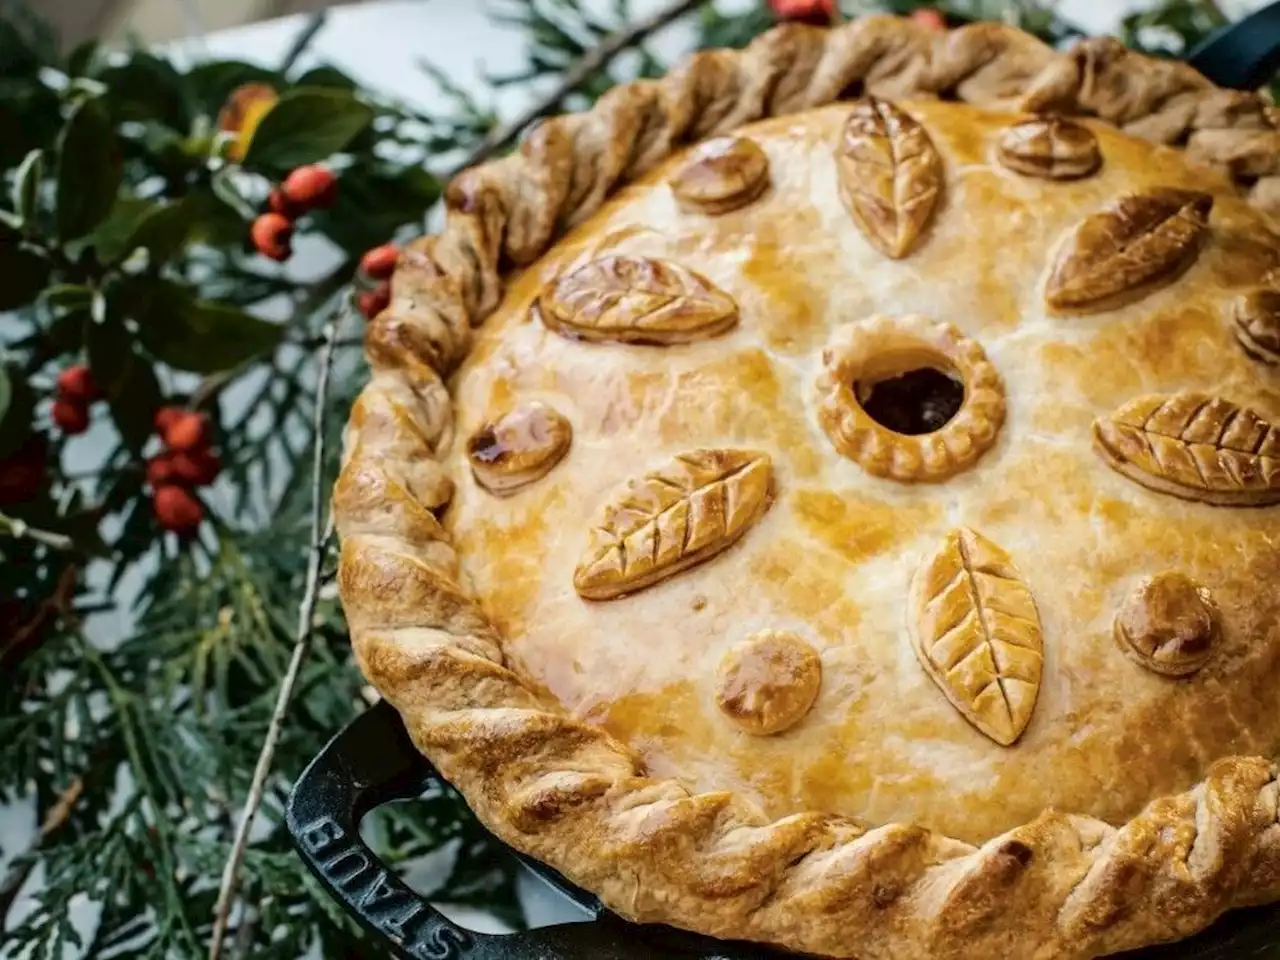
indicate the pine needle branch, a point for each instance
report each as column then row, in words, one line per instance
column 595, row 60
column 321, row 534
column 57, row 817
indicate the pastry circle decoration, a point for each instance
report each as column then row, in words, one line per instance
column 1051, row 148
column 1194, row 446
column 1141, row 242
column 519, row 447
column 679, row 515
column 890, row 175
column 768, row 683
column 881, row 347
column 722, row 175
column 976, row 631
column 1169, row 624
column 1257, row 324
column 635, row 300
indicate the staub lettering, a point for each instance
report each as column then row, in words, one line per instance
column 380, row 896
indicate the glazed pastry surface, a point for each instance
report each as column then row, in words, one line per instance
column 830, row 553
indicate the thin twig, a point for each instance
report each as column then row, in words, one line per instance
column 321, row 534
column 596, row 59
column 21, row 530
column 315, row 23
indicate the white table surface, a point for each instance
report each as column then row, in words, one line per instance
column 381, row 46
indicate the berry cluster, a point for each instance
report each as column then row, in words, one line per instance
column 377, row 266
column 76, row 393
column 187, row 462
column 305, row 189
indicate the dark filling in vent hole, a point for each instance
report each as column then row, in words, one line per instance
column 915, row 402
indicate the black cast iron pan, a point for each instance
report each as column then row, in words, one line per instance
column 372, row 762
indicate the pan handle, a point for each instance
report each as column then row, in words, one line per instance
column 373, row 762
column 1244, row 55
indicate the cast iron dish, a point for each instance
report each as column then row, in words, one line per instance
column 372, row 762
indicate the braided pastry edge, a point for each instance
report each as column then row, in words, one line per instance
column 569, row 794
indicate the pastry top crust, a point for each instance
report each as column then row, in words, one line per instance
column 834, row 557
column 891, row 816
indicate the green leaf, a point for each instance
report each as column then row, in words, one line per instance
column 29, row 117
column 373, row 204
column 207, row 337
column 6, row 391
column 83, row 58
column 89, row 170
column 135, row 402
column 159, row 227
column 305, row 126
column 111, row 356
column 68, row 296
column 19, row 406
column 225, row 189
column 26, row 42
column 327, row 76
column 22, row 275
column 146, row 87
column 26, row 185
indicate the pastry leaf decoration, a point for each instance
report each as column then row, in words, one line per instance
column 1257, row 317
column 1194, row 446
column 1123, row 253
column 976, row 631
column 686, row 512
column 1050, row 147
column 636, row 300
column 890, row 175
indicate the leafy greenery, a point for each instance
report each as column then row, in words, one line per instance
column 124, row 244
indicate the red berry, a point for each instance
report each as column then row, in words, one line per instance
column 165, row 418
column 819, row 12
column 196, row 468
column 70, row 416
column 160, row 470
column 277, row 202
column 187, row 432
column 22, row 473
column 76, row 384
column 929, row 17
column 271, row 234
column 177, row 509
column 373, row 302
column 310, row 187
column 380, row 262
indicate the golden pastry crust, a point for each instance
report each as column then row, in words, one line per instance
column 452, row 624
column 722, row 175
column 1194, row 446
column 1141, row 242
column 1051, row 147
column 881, row 346
column 767, row 683
column 975, row 628
column 519, row 447
column 1170, row 624
column 890, row 175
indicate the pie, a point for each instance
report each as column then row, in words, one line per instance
column 830, row 496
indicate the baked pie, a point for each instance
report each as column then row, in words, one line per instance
column 830, row 496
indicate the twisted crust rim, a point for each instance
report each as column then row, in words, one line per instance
column 569, row 794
